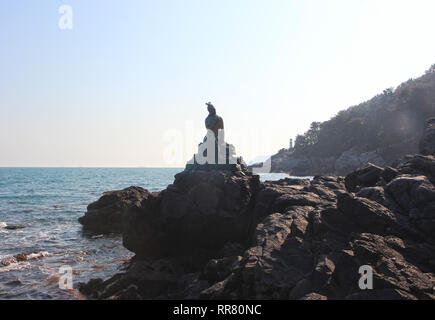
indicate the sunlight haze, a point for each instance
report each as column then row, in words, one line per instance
column 131, row 79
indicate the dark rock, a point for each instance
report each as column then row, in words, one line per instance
column 376, row 194
column 218, row 269
column 291, row 182
column 201, row 211
column 369, row 215
column 389, row 174
column 419, row 165
column 224, row 235
column 24, row 256
column 411, row 191
column 13, row 227
column 106, row 214
column 391, row 269
column 92, row 288
column 14, row 283
column 275, row 263
column 365, row 177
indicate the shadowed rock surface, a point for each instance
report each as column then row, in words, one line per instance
column 194, row 217
column 225, row 235
column 106, row 214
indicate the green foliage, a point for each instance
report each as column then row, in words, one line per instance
column 431, row 69
column 389, row 91
column 387, row 119
column 310, row 138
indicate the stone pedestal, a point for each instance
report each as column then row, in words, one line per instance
column 222, row 157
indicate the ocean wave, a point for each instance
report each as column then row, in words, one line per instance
column 8, row 260
column 3, row 225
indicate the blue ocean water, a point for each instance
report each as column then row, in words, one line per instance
column 47, row 203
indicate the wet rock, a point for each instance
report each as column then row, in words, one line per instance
column 106, row 214
column 24, row 256
column 11, row 227
column 92, row 288
column 14, row 283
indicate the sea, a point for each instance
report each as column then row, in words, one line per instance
column 41, row 241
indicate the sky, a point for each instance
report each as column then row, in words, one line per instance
column 127, row 85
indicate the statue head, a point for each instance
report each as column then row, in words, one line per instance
column 211, row 109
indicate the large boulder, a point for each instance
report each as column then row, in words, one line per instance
column 411, row 191
column 106, row 214
column 427, row 142
column 369, row 215
column 281, row 195
column 419, row 165
column 367, row 176
column 194, row 217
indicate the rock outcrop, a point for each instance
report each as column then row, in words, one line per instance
column 299, row 164
column 225, row 235
column 194, row 217
column 106, row 214
column 217, row 234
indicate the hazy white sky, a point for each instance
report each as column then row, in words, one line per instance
column 127, row 85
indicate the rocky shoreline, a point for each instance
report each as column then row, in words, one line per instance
column 301, row 164
column 226, row 235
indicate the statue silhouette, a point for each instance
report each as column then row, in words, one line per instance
column 213, row 122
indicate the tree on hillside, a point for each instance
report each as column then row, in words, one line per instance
column 388, row 119
column 300, row 142
column 313, row 134
column 431, row 69
column 389, row 91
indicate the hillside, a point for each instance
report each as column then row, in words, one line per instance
column 379, row 131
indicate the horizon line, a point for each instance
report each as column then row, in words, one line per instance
column 88, row 167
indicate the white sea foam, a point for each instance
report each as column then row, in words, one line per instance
column 11, row 260
column 56, row 230
column 37, row 255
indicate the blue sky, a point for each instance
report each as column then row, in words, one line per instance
column 129, row 81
